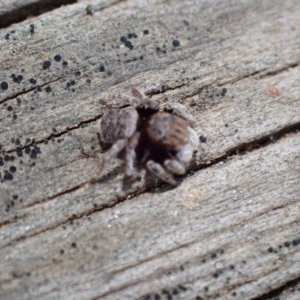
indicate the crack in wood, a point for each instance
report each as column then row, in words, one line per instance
column 241, row 149
column 279, row 290
column 28, row 90
column 244, row 148
column 21, row 12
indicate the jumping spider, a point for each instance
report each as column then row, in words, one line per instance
column 138, row 132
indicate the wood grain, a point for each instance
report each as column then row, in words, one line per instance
column 230, row 230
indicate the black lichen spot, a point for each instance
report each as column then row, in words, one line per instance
column 9, row 108
column 157, row 297
column 132, row 35
column 32, row 81
column 123, row 39
column 202, row 139
column 34, row 152
column 74, row 245
column 7, row 175
column 31, row 28
column 176, row 43
column 167, row 294
column 46, row 64
column 101, row 68
column 4, row 85
column 27, row 150
column 271, row 249
column 37, row 89
column 48, row 89
column 141, row 57
column 77, row 73
column 19, row 101
column 17, row 79
column 70, row 83
column 19, row 152
column 160, row 50
column 109, row 73
column 287, row 244
column 129, row 45
column 1, row 161
column 296, row 242
column 15, row 197
column 62, row 251
column 146, row 31
column 57, row 57
column 216, row 275
column 181, row 287
column 224, row 91
column 6, row 36
column 214, row 255
column 65, row 64
column 13, row 169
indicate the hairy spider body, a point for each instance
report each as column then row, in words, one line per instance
column 164, row 141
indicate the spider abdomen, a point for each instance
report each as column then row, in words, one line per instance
column 168, row 130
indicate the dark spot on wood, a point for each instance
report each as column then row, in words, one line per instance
column 101, row 68
column 146, row 31
column 48, row 89
column 13, row 169
column 19, row 152
column 129, row 45
column 46, row 64
column 31, row 28
column 123, row 39
column 57, row 57
column 224, row 91
column 181, row 287
column 32, row 81
column 202, row 139
column 176, row 43
column 7, row 175
column 4, row 85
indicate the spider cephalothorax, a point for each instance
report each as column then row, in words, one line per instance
column 162, row 140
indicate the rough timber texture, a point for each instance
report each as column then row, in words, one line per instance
column 230, row 230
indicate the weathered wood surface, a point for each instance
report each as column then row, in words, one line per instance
column 230, row 230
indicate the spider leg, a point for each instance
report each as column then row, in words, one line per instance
column 130, row 156
column 178, row 164
column 174, row 166
column 160, row 172
column 112, row 153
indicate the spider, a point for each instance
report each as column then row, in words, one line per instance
column 140, row 133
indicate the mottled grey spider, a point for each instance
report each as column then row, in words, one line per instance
column 162, row 140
